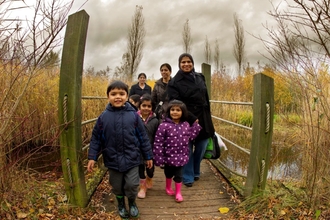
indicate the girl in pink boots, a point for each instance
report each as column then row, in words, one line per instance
column 171, row 148
column 151, row 124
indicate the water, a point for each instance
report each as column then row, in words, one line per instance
column 285, row 161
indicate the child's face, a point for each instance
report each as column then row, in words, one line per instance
column 145, row 108
column 176, row 113
column 117, row 97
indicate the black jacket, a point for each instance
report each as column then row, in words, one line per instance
column 136, row 89
column 192, row 91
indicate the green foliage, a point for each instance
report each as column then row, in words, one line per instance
column 244, row 118
column 294, row 119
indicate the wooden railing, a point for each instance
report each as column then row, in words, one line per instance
column 262, row 131
column 77, row 188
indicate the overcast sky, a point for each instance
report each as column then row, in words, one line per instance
column 164, row 20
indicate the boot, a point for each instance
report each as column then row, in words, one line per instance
column 169, row 190
column 121, row 207
column 143, row 189
column 149, row 183
column 178, row 196
column 133, row 209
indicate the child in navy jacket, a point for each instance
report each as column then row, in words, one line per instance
column 119, row 135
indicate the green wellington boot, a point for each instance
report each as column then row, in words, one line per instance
column 133, row 209
column 121, row 207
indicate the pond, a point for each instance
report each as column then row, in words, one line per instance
column 285, row 158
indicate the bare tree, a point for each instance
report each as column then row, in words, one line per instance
column 121, row 71
column 220, row 68
column 239, row 45
column 135, row 42
column 207, row 51
column 217, row 55
column 299, row 47
column 24, row 46
column 186, row 37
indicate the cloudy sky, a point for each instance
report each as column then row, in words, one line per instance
column 164, row 20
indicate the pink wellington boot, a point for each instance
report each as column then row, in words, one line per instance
column 169, row 190
column 149, row 183
column 143, row 189
column 178, row 196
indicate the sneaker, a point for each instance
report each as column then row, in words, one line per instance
column 188, row 184
column 196, row 178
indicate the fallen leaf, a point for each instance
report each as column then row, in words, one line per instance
column 51, row 202
column 21, row 215
column 223, row 210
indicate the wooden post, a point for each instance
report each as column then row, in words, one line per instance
column 206, row 70
column 70, row 107
column 262, row 130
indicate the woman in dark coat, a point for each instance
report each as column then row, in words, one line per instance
column 159, row 95
column 141, row 87
column 189, row 87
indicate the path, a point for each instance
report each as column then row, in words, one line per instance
column 202, row 201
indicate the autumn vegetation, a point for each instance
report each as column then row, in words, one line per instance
column 31, row 184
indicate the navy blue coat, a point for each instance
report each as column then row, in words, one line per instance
column 120, row 136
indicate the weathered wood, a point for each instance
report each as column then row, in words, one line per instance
column 70, row 107
column 94, row 181
column 262, row 130
column 202, row 201
column 233, row 180
column 206, row 70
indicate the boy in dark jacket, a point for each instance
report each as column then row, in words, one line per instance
column 119, row 135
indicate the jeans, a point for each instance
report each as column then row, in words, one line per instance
column 192, row 168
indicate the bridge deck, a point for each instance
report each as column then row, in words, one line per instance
column 202, row 201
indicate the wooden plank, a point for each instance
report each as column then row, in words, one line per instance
column 262, row 130
column 203, row 200
column 70, row 107
column 206, row 70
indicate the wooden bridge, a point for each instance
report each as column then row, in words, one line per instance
column 203, row 200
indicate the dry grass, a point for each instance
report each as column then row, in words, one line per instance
column 34, row 129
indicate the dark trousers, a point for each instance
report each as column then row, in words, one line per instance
column 176, row 172
column 143, row 169
column 125, row 183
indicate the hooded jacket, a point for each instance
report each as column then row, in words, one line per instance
column 171, row 142
column 119, row 135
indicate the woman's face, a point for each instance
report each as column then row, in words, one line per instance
column 166, row 73
column 186, row 65
column 142, row 79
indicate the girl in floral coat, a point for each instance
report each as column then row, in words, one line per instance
column 171, row 148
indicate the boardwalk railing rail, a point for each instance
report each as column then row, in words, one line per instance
column 77, row 188
column 262, row 130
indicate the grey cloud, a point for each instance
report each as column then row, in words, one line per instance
column 164, row 20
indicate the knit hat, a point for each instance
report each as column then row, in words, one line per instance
column 185, row 55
